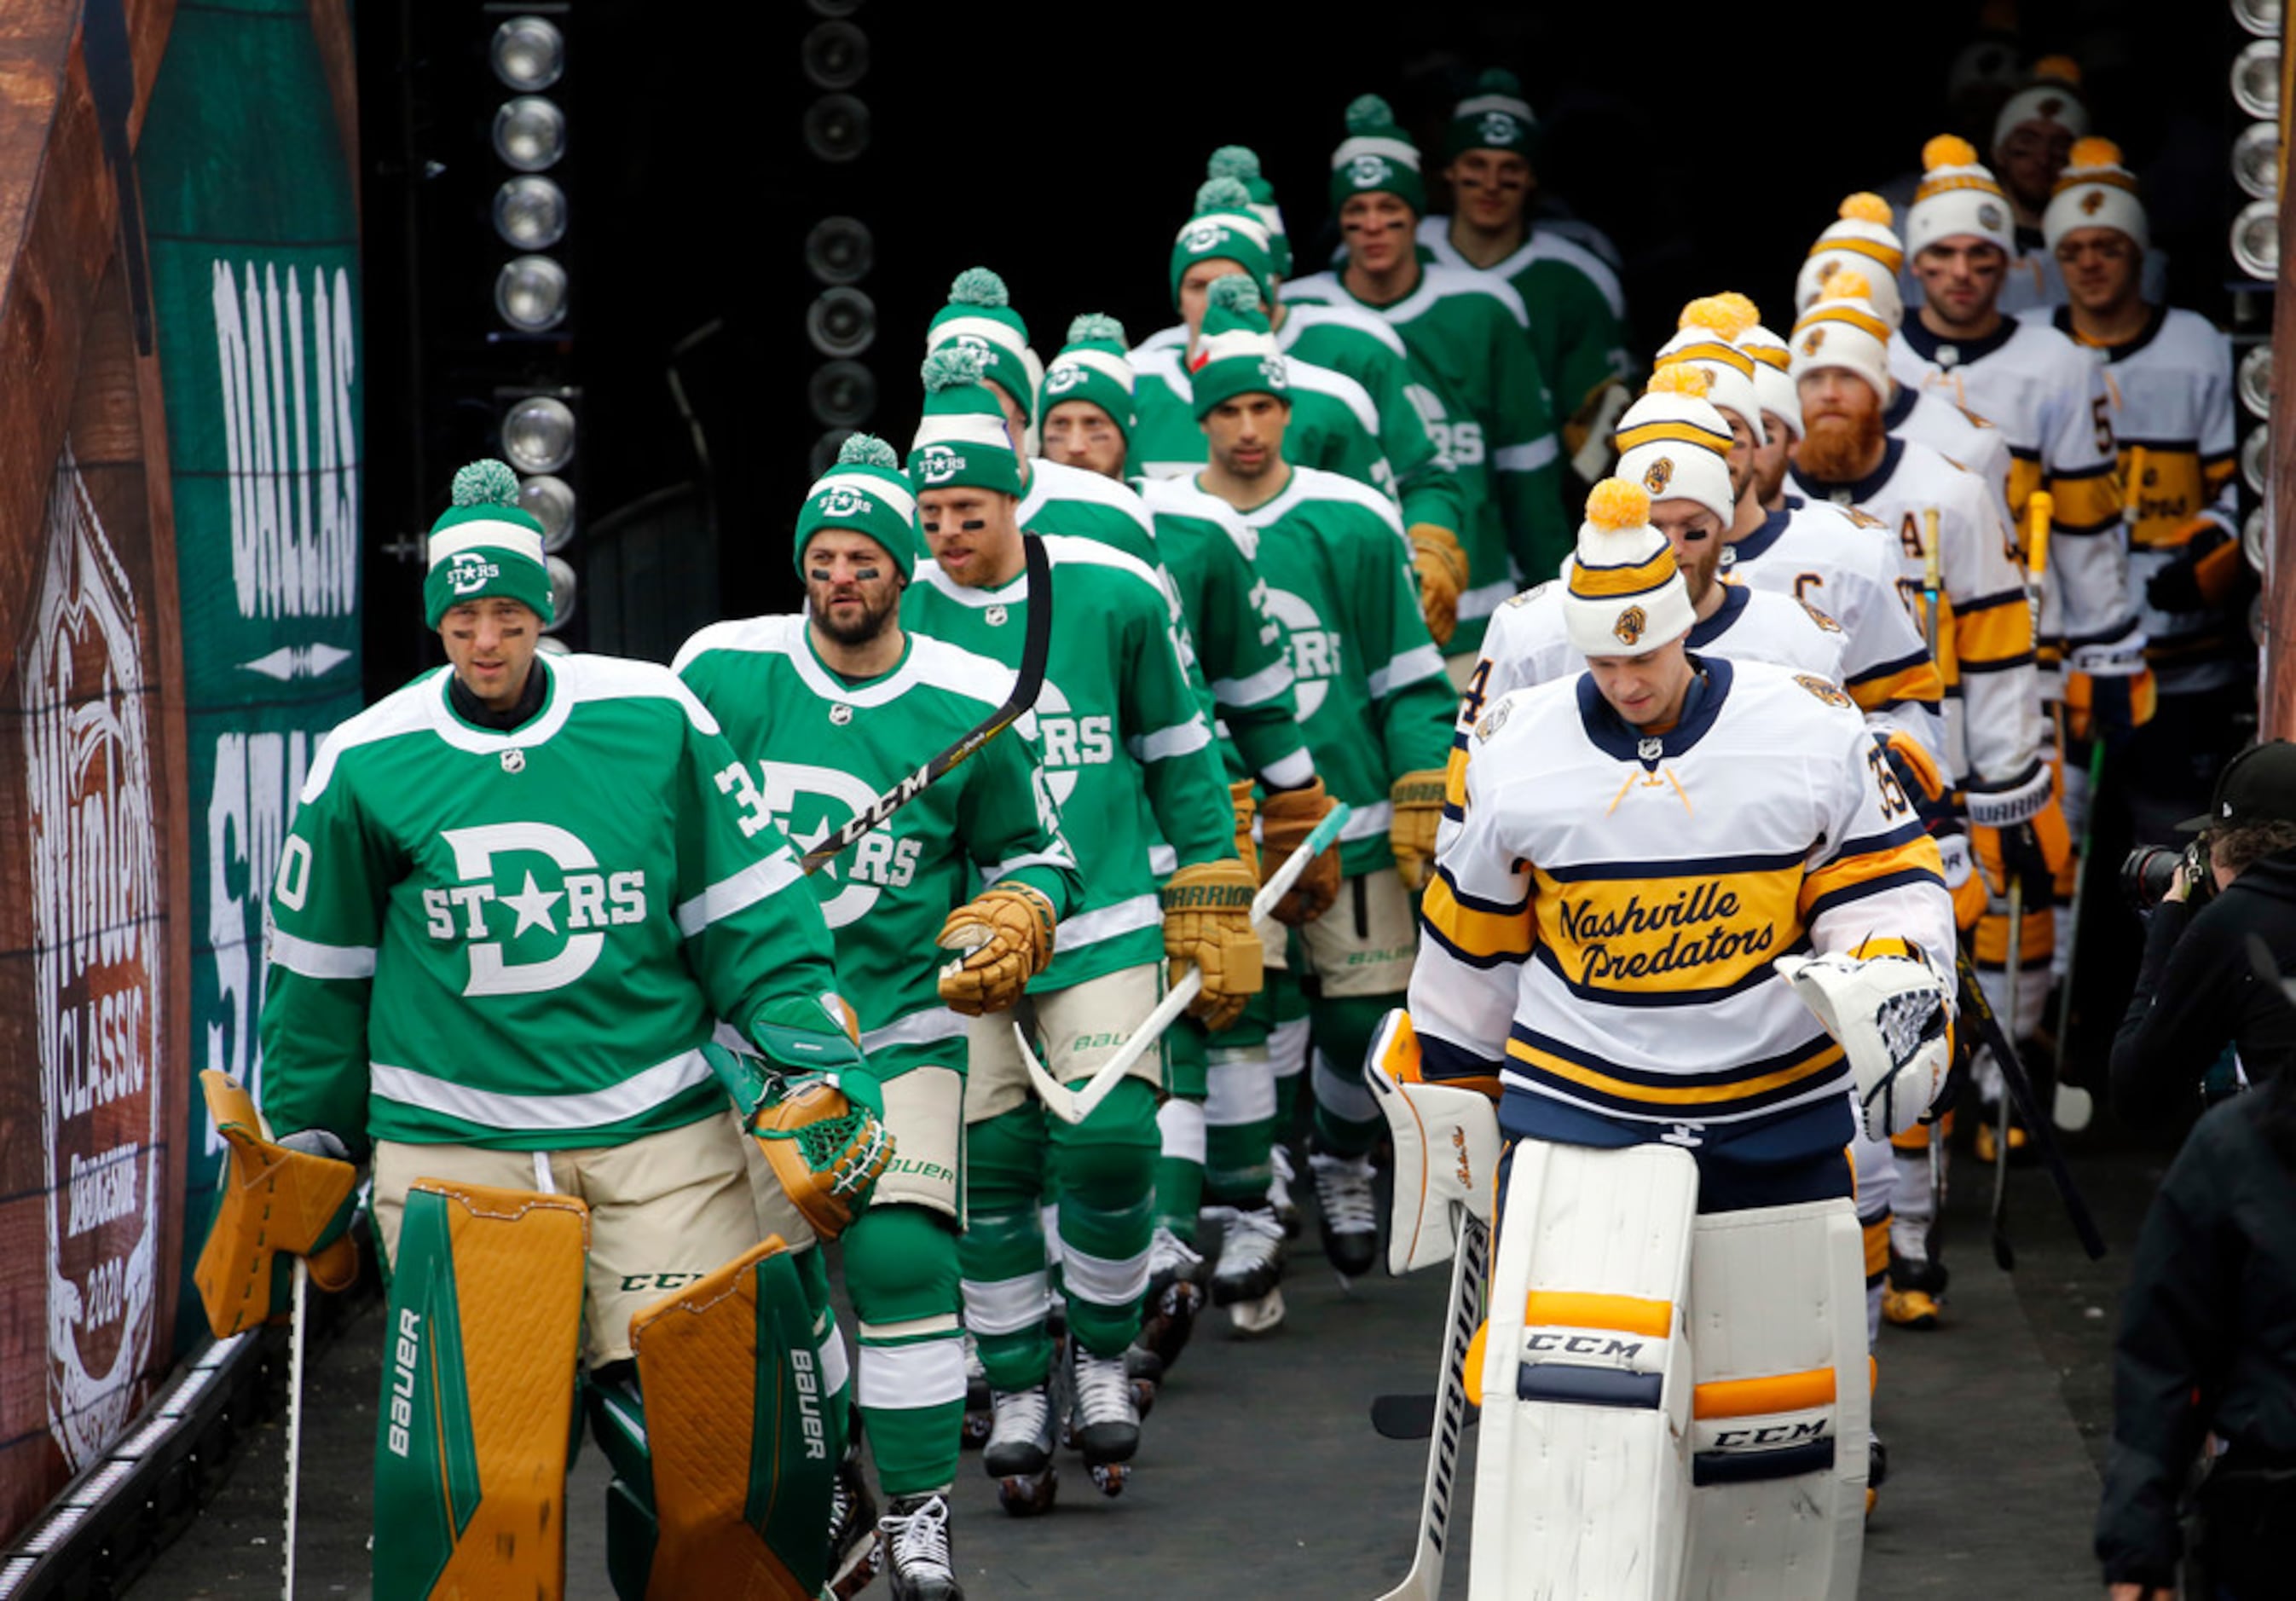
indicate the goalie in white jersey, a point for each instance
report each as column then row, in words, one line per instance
column 1676, row 1294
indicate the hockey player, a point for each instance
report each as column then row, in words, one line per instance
column 1465, row 332
column 491, row 966
column 1634, row 850
column 1120, row 725
column 1774, row 392
column 828, row 709
column 1348, row 341
column 1376, row 711
column 1577, row 310
column 2167, row 374
column 1222, row 1089
column 1996, row 754
column 1683, row 466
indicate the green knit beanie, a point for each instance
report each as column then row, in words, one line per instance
column 961, row 438
column 979, row 315
column 1376, row 156
column 1494, row 116
column 1236, row 354
column 485, row 544
column 867, row 493
column 1224, row 228
column 1092, row 367
column 1242, row 163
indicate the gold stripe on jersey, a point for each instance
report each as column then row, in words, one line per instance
column 2024, row 478
column 1708, row 349
column 1867, row 867
column 1992, row 632
column 1478, row 933
column 2175, row 490
column 1897, row 683
column 2087, row 503
column 1689, row 931
column 2217, row 472
column 1671, row 432
column 1617, row 583
column 1587, row 1078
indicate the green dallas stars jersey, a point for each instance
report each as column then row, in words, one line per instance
column 1373, row 700
column 1208, row 551
column 1119, row 722
column 521, row 941
column 1577, row 311
column 1358, row 344
column 1467, row 335
column 823, row 748
column 1334, row 424
column 1068, row 500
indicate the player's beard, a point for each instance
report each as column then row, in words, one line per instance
column 854, row 630
column 1835, row 450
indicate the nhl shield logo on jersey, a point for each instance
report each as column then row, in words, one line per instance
column 840, row 715
column 1825, row 690
column 1630, row 626
column 994, row 617
column 513, row 760
column 1660, row 474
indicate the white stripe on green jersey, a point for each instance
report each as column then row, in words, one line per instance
column 823, row 748
column 1577, row 311
column 1127, row 751
column 552, row 917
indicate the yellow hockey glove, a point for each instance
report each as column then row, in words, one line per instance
column 1441, row 564
column 1247, row 849
column 1208, row 925
column 1006, row 934
column 1418, row 801
column 280, row 1201
column 1286, row 818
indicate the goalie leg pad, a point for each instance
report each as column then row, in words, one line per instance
column 736, row 1427
column 1783, row 1411
column 484, row 1325
column 1582, row 1483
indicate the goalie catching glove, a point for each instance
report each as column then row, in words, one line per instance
column 1006, row 934
column 813, row 1106
column 1286, row 818
column 282, row 1199
column 1208, row 925
column 1441, row 564
column 1889, row 1013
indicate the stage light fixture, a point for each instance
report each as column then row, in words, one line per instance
column 835, row 55
column 531, row 293
column 530, row 213
column 563, row 586
column 2255, row 79
column 2253, row 378
column 2259, row 17
column 839, row 249
column 530, row 133
column 552, row 501
column 2256, row 460
column 2256, row 161
column 537, row 435
column 837, row 127
column 2256, row 537
column 823, row 457
column 2256, row 240
column 529, row 54
column 844, row 394
column 842, row 322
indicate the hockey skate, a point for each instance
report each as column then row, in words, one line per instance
column 1346, row 1211
column 976, row 1416
column 1914, row 1294
column 855, row 1553
column 1279, row 1190
column 1175, row 1296
column 1019, row 1452
column 1102, row 1422
column 1251, row 1263
column 1145, row 1371
column 913, row 1535
column 1877, row 1469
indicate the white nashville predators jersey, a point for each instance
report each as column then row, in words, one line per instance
column 1829, row 558
column 1994, row 731
column 2170, row 389
column 1962, row 436
column 1602, row 925
column 2049, row 401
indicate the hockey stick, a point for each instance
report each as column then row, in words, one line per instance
column 1932, row 595
column 1974, row 1005
column 2002, row 1254
column 1028, row 679
column 1074, row 1105
column 295, row 1330
column 2075, row 1107
column 1470, row 1265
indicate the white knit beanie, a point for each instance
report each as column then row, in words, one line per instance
column 2095, row 190
column 1863, row 234
column 1622, row 594
column 1957, row 196
column 1707, row 336
column 1774, row 384
column 1843, row 331
column 1674, row 445
column 2054, row 95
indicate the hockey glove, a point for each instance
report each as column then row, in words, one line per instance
column 282, row 1199
column 1918, row 775
column 1889, row 1015
column 2034, row 851
column 2206, row 572
column 815, row 1111
column 1006, row 934
column 1418, row 802
column 1285, row 821
column 1247, row 849
column 2110, row 709
column 1441, row 564
column 1208, row 925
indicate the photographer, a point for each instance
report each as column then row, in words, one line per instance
column 2197, row 990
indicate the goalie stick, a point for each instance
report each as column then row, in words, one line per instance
column 1470, row 1265
column 1074, row 1105
column 1028, row 679
column 1975, row 1007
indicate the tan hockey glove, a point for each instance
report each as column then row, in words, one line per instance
column 1286, row 818
column 1208, row 925
column 1418, row 800
column 1006, row 934
column 279, row 1201
column 1247, row 849
column 1441, row 564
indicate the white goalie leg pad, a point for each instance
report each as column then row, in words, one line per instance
column 1782, row 1413
column 1447, row 1150
column 1582, row 1479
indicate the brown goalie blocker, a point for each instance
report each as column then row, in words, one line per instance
column 277, row 1204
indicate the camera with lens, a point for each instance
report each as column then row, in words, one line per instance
column 2147, row 876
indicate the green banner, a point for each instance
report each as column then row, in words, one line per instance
column 251, row 205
